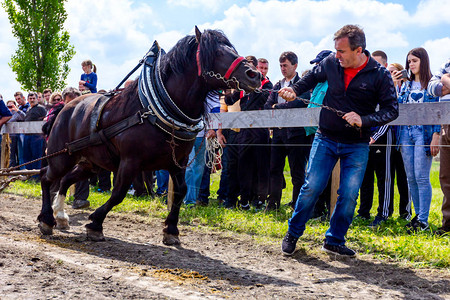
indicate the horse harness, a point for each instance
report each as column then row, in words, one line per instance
column 157, row 106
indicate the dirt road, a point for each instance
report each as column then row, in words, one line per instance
column 133, row 263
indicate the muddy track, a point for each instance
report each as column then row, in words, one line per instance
column 133, row 263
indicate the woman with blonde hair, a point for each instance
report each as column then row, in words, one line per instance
column 89, row 77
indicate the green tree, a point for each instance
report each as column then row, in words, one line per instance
column 41, row 60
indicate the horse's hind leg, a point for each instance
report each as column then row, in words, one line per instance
column 125, row 175
column 45, row 218
column 171, row 233
column 79, row 172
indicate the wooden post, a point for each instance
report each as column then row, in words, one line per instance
column 335, row 179
column 170, row 194
column 6, row 141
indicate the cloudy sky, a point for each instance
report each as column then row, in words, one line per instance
column 115, row 34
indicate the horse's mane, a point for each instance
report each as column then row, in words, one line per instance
column 180, row 56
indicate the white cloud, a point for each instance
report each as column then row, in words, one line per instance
column 438, row 51
column 167, row 40
column 211, row 5
column 8, row 44
column 115, row 34
column 306, row 27
column 432, row 12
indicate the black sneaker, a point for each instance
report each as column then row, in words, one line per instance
column 412, row 224
column 423, row 226
column 78, row 204
column 244, row 206
column 338, row 249
column 288, row 244
column 361, row 217
column 418, row 226
column 377, row 222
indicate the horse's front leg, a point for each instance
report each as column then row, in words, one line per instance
column 45, row 218
column 62, row 219
column 78, row 173
column 171, row 233
column 122, row 182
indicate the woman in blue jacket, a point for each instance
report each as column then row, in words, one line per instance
column 419, row 143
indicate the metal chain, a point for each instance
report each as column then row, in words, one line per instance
column 173, row 145
column 338, row 112
column 218, row 76
column 7, row 170
column 226, row 81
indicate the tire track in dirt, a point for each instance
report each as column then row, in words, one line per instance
column 133, row 263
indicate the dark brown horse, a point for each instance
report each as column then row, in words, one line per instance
column 193, row 67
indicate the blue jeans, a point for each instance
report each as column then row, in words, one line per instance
column 194, row 171
column 20, row 150
column 324, row 155
column 417, row 166
column 33, row 149
column 162, row 181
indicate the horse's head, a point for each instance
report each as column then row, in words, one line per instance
column 220, row 64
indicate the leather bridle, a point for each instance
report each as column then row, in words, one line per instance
column 230, row 70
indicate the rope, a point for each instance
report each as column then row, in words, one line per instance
column 5, row 183
column 213, row 153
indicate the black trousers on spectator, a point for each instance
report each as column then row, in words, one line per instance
column 297, row 158
column 379, row 163
column 404, row 208
column 222, row 192
column 254, row 154
column 232, row 158
column 81, row 190
column 14, row 150
column 104, row 179
column 143, row 184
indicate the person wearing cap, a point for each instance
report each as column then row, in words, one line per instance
column 322, row 207
column 287, row 142
column 357, row 84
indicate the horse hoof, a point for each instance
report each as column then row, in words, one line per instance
column 62, row 224
column 171, row 240
column 45, row 229
column 96, row 236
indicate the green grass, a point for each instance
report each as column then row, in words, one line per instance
column 390, row 241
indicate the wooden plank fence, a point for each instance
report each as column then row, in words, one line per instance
column 409, row 114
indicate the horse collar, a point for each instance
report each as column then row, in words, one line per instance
column 154, row 97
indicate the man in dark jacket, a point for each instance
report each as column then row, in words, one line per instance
column 291, row 142
column 356, row 85
column 253, row 171
column 33, row 143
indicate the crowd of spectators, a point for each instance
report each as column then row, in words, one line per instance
column 253, row 159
